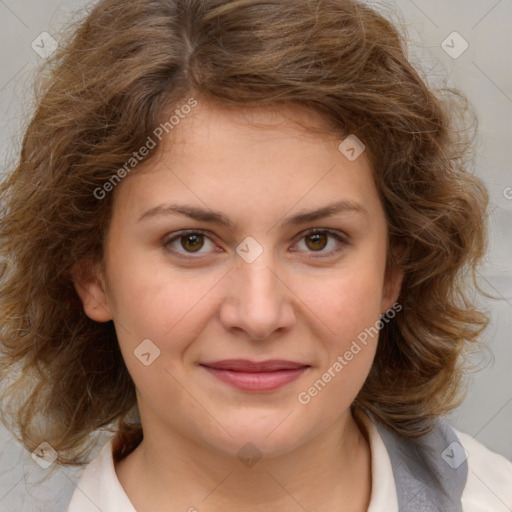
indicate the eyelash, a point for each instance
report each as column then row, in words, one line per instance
column 190, row 255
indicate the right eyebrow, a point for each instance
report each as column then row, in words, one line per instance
column 193, row 212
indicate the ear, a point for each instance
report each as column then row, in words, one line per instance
column 394, row 276
column 89, row 283
column 392, row 287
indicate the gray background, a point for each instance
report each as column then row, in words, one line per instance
column 483, row 73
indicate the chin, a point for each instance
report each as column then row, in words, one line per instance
column 255, row 436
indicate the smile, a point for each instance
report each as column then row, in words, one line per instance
column 253, row 376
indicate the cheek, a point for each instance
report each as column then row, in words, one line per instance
column 352, row 314
column 152, row 301
column 359, row 302
column 346, row 302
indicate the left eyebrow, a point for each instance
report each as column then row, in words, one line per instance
column 215, row 217
column 327, row 211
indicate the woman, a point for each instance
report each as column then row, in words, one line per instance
column 238, row 237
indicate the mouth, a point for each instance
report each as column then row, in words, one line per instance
column 255, row 376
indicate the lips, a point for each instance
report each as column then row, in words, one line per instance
column 244, row 365
column 252, row 376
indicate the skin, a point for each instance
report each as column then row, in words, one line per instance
column 295, row 302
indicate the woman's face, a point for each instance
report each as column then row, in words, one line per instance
column 256, row 286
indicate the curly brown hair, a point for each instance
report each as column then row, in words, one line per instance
column 117, row 77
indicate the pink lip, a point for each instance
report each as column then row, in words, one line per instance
column 256, row 376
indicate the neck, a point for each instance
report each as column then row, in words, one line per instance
column 172, row 472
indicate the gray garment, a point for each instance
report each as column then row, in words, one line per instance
column 430, row 471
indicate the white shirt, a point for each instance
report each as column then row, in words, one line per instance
column 488, row 487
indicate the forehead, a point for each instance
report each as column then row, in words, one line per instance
column 222, row 158
column 209, row 124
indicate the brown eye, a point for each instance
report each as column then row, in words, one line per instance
column 321, row 243
column 188, row 243
column 192, row 243
column 316, row 241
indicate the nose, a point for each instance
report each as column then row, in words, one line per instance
column 258, row 300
